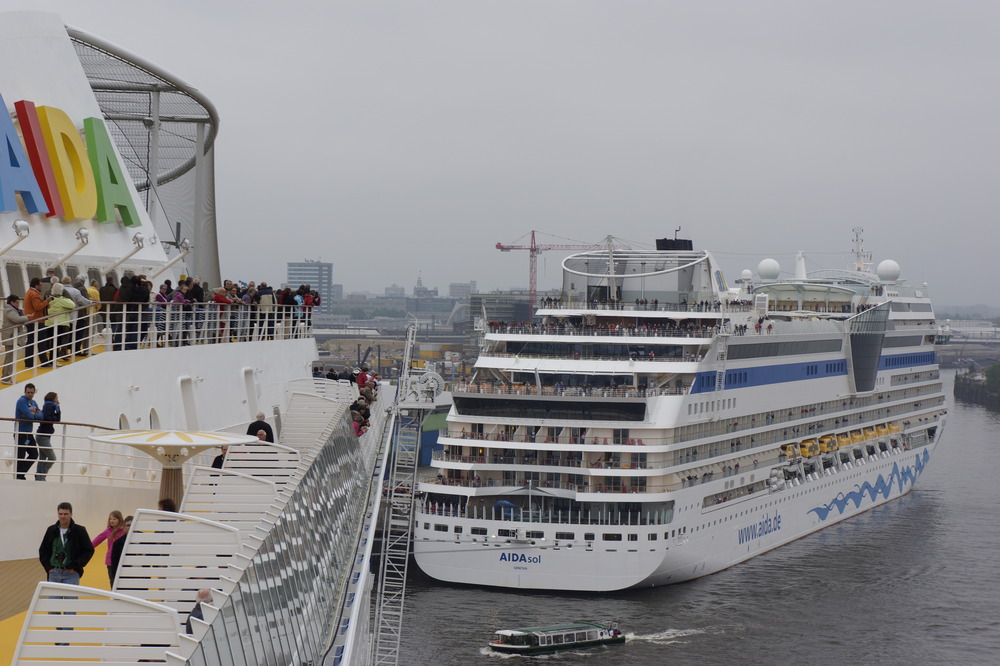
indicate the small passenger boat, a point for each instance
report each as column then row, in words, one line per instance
column 554, row 638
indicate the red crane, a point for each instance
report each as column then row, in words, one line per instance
column 534, row 249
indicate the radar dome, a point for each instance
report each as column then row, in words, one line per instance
column 888, row 271
column 769, row 269
column 746, row 274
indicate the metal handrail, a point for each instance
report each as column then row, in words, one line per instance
column 81, row 460
column 111, row 326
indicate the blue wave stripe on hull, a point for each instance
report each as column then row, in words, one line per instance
column 883, row 486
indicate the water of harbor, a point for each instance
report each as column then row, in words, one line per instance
column 916, row 581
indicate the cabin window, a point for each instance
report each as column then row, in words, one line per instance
column 480, row 531
column 440, row 528
column 652, row 537
column 458, row 529
column 565, row 536
column 633, row 537
column 507, row 533
column 607, row 536
column 532, row 534
column 15, row 280
column 589, row 536
column 94, row 275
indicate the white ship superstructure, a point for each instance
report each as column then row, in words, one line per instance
column 75, row 171
column 652, row 425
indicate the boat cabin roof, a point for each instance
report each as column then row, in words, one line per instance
column 552, row 629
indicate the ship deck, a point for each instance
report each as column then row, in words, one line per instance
column 20, row 578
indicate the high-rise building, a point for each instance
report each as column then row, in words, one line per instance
column 318, row 275
column 461, row 290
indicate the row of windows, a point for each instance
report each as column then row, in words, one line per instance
column 601, row 350
column 926, row 358
column 16, row 276
column 764, row 349
column 736, row 378
column 711, row 406
column 910, row 307
column 543, row 409
column 560, row 536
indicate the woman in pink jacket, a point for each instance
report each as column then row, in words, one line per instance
column 114, row 530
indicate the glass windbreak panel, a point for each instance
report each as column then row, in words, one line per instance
column 284, row 600
column 867, row 330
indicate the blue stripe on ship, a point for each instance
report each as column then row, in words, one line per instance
column 882, row 488
column 796, row 372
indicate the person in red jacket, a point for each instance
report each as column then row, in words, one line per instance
column 222, row 303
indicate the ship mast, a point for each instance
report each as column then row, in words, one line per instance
column 862, row 259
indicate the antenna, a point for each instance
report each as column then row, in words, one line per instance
column 862, row 259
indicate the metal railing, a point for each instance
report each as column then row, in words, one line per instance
column 520, row 328
column 566, row 391
column 30, row 348
column 555, row 516
column 679, row 307
column 73, row 458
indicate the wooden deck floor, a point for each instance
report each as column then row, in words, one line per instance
column 18, row 579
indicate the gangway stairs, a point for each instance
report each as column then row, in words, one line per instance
column 414, row 400
column 720, row 369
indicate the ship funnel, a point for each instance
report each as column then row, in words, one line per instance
column 800, row 266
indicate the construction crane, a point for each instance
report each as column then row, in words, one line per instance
column 534, row 249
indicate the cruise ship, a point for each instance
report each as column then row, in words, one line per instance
column 107, row 170
column 653, row 425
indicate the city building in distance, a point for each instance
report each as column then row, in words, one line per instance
column 318, row 275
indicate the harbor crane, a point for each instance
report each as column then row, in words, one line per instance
column 535, row 249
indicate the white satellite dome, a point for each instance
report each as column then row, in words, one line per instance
column 746, row 274
column 888, row 271
column 768, row 269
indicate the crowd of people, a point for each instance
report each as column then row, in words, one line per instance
column 58, row 317
column 368, row 383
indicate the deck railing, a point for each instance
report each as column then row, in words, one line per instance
column 556, row 516
column 566, row 391
column 618, row 331
column 78, row 460
column 33, row 347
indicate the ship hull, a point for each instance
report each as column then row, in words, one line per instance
column 707, row 542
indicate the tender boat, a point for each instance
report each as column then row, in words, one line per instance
column 556, row 638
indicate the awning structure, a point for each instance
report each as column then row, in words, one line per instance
column 172, row 448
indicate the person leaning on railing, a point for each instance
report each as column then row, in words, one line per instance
column 13, row 327
column 35, row 306
column 59, row 325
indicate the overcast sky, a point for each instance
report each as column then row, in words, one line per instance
column 397, row 138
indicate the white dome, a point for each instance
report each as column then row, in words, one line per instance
column 888, row 271
column 768, row 269
column 746, row 274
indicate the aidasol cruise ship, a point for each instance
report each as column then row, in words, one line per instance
column 653, row 425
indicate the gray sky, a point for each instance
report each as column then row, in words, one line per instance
column 393, row 138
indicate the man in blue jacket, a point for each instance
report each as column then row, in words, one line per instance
column 27, row 412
